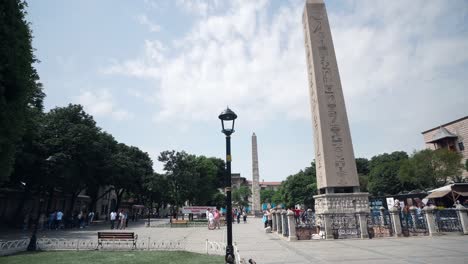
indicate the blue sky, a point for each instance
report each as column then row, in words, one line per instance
column 156, row 74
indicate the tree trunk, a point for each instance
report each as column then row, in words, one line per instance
column 20, row 207
column 49, row 200
column 119, row 198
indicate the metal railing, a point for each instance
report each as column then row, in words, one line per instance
column 413, row 223
column 13, row 246
column 447, row 220
column 345, row 225
column 380, row 224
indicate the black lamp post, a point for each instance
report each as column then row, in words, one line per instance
column 150, row 207
column 228, row 118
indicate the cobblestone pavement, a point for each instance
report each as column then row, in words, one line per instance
column 253, row 243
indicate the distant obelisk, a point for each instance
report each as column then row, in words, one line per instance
column 256, row 206
column 337, row 178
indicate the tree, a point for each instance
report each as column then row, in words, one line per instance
column 383, row 173
column 70, row 133
column 131, row 167
column 105, row 146
column 430, row 169
column 20, row 92
column 207, row 171
column 218, row 200
column 300, row 188
column 383, row 178
column 362, row 165
column 181, row 176
column 154, row 190
column 447, row 166
column 266, row 196
column 240, row 197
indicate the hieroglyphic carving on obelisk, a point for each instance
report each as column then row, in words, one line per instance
column 334, row 155
column 256, row 206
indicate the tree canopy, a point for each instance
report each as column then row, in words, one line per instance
column 431, row 168
column 21, row 93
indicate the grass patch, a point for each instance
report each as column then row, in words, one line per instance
column 98, row 257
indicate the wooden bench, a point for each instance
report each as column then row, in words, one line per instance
column 179, row 222
column 117, row 237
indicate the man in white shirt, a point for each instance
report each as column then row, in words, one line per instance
column 113, row 215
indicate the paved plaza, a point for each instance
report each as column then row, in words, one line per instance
column 253, row 243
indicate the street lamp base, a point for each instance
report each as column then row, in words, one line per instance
column 229, row 254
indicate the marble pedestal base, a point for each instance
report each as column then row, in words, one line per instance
column 339, row 213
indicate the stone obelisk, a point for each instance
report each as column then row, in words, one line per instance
column 256, row 206
column 337, row 178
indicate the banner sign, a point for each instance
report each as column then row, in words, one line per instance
column 196, row 209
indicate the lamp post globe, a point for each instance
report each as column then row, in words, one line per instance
column 228, row 118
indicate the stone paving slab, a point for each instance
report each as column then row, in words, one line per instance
column 254, row 243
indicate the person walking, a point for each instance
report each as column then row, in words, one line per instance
column 126, row 219
column 211, row 224
column 244, row 216
column 90, row 217
column 270, row 221
column 122, row 219
column 80, row 218
column 113, row 215
column 217, row 217
column 59, row 218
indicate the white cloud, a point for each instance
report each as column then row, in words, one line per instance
column 102, row 104
column 143, row 20
column 199, row 7
column 394, row 61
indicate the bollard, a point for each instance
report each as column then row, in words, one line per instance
column 291, row 226
column 273, row 219
column 430, row 220
column 395, row 215
column 328, row 226
column 463, row 215
column 363, row 224
column 279, row 224
column 284, row 221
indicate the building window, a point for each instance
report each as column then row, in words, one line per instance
column 460, row 146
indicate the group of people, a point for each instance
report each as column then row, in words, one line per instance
column 121, row 218
column 300, row 216
column 213, row 217
column 55, row 220
column 238, row 213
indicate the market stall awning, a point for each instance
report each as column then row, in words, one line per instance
column 438, row 194
column 464, row 194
